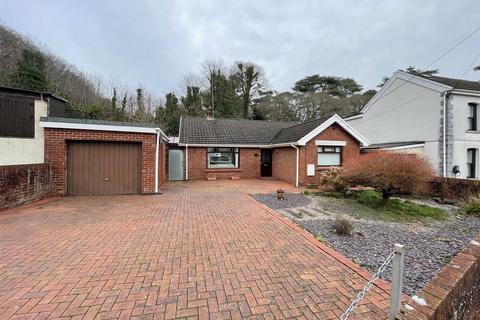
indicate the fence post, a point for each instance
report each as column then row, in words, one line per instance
column 397, row 279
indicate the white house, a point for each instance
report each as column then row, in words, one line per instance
column 407, row 114
column 21, row 137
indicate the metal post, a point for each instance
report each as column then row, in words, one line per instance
column 397, row 279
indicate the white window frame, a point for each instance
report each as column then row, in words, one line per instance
column 235, row 152
column 337, row 150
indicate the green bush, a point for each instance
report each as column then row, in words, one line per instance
column 369, row 198
column 472, row 206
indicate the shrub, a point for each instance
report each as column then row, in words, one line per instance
column 472, row 206
column 389, row 173
column 331, row 179
column 343, row 226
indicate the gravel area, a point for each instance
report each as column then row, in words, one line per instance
column 292, row 200
column 429, row 246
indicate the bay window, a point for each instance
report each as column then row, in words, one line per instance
column 329, row 156
column 222, row 158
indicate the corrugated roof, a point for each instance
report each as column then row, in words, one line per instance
column 98, row 122
column 195, row 130
column 455, row 83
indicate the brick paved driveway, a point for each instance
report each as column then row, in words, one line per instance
column 200, row 250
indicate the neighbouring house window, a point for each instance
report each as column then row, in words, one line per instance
column 473, row 117
column 222, row 158
column 329, row 156
column 472, row 163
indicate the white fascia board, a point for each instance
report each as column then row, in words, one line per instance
column 342, row 123
column 466, row 92
column 357, row 116
column 99, row 127
column 412, row 146
column 405, row 76
column 206, row 145
column 332, row 143
column 287, row 144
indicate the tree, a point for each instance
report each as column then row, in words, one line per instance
column 414, row 71
column 114, row 104
column 140, row 111
column 335, row 86
column 248, row 78
column 388, row 172
column 30, row 72
column 171, row 114
column 192, row 102
column 124, row 107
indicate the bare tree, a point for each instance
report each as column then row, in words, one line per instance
column 209, row 71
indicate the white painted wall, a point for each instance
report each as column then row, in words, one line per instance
column 25, row 150
column 463, row 139
column 408, row 112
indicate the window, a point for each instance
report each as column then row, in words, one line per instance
column 17, row 117
column 222, row 158
column 471, row 163
column 329, row 156
column 473, row 117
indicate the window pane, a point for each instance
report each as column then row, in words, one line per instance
column 328, row 159
column 470, row 156
column 329, row 149
column 225, row 159
column 320, row 149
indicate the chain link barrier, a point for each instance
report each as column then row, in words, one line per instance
column 367, row 287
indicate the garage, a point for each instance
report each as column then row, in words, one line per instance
column 98, row 157
column 103, row 168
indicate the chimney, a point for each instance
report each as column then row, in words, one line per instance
column 210, row 114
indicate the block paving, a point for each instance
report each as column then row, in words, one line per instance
column 200, row 250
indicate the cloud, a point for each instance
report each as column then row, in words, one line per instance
column 156, row 43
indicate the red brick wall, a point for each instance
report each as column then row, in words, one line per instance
column 284, row 159
column 284, row 164
column 454, row 293
column 56, row 153
column 308, row 154
column 21, row 184
column 249, row 166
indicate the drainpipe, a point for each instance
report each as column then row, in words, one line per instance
column 186, row 162
column 156, row 159
column 444, row 142
column 296, row 166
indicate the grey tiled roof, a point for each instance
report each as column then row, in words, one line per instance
column 455, row 83
column 295, row 133
column 194, row 130
column 98, row 122
column 392, row 144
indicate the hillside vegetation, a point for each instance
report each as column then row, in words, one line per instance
column 237, row 90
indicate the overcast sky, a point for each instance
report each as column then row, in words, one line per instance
column 155, row 43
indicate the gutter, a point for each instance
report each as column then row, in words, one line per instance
column 297, row 165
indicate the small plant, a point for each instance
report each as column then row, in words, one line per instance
column 472, row 206
column 280, row 194
column 343, row 226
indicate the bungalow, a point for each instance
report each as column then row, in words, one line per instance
column 239, row 148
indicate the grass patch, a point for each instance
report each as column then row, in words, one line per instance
column 471, row 207
column 369, row 204
column 396, row 209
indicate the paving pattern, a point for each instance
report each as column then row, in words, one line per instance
column 201, row 250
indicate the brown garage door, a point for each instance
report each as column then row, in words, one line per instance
column 96, row 168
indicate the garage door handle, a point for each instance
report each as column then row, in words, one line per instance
column 106, row 179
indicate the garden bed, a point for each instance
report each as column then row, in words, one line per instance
column 432, row 235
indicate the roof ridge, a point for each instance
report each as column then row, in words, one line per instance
column 237, row 119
